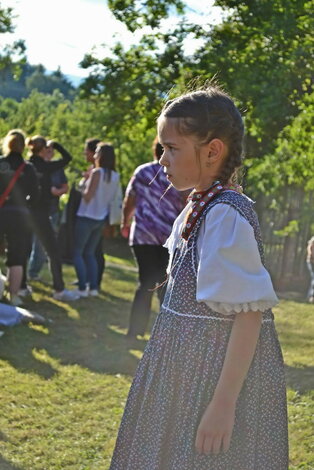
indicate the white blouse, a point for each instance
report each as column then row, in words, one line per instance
column 231, row 277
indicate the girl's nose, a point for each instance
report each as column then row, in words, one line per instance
column 163, row 160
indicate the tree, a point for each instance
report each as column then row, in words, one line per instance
column 263, row 53
column 10, row 55
column 146, row 13
column 134, row 84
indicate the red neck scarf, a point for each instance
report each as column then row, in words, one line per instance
column 200, row 199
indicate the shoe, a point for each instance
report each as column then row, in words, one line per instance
column 81, row 293
column 15, row 300
column 94, row 293
column 66, row 295
column 25, row 292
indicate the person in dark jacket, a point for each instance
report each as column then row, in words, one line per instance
column 40, row 213
column 59, row 187
column 14, row 211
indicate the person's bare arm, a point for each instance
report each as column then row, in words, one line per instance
column 128, row 210
column 216, row 426
column 59, row 191
column 91, row 186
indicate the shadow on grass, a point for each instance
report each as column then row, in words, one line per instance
column 300, row 379
column 119, row 248
column 89, row 332
column 5, row 465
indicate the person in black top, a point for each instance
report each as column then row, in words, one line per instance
column 40, row 213
column 59, row 186
column 14, row 212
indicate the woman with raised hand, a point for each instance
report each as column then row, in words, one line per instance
column 41, row 220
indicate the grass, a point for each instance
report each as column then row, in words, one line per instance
column 63, row 386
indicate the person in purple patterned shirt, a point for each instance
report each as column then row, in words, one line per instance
column 154, row 206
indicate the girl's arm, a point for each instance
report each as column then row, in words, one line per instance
column 215, row 429
column 89, row 192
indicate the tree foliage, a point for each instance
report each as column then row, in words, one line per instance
column 292, row 162
column 263, row 53
column 136, row 14
column 10, row 55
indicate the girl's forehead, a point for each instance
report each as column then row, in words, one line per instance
column 168, row 128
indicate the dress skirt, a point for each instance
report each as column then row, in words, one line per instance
column 174, row 383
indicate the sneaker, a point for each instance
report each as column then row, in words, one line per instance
column 15, row 300
column 81, row 293
column 66, row 295
column 94, row 293
column 25, row 292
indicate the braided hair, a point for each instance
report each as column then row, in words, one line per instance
column 210, row 114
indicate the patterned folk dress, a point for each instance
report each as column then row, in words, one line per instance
column 180, row 368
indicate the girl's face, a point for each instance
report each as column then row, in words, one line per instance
column 182, row 159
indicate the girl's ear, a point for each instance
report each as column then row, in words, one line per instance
column 217, row 150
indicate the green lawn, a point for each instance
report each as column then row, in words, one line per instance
column 63, row 387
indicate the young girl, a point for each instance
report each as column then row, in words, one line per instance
column 209, row 392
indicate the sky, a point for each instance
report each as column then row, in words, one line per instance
column 58, row 33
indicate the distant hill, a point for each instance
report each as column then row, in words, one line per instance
column 75, row 80
column 34, row 77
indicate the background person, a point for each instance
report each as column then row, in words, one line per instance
column 41, row 212
column 89, row 152
column 97, row 193
column 59, row 186
column 14, row 211
column 154, row 207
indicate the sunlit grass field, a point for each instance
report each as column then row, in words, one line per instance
column 63, row 386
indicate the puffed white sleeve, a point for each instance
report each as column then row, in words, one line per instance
column 231, row 277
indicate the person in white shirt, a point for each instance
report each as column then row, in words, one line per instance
column 97, row 194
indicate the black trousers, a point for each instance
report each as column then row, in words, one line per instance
column 152, row 263
column 45, row 232
column 16, row 230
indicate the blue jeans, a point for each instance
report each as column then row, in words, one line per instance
column 87, row 233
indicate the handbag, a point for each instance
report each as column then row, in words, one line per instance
column 115, row 207
column 11, row 184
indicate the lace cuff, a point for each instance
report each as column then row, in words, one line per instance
column 229, row 309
